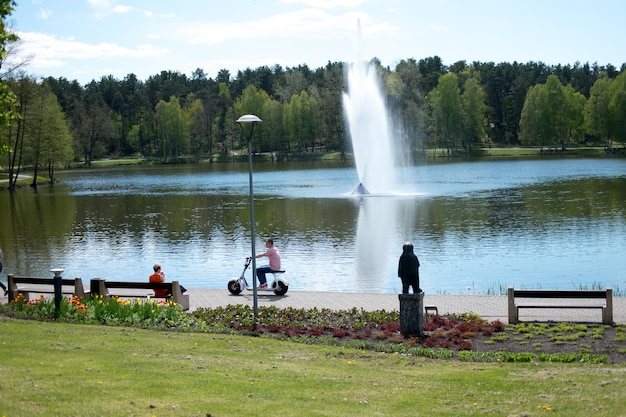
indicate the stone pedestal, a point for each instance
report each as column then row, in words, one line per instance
column 411, row 313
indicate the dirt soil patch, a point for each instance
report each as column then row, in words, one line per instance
column 471, row 333
column 550, row 338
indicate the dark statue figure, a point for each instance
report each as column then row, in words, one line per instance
column 408, row 269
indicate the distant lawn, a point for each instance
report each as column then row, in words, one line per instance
column 521, row 151
column 51, row 369
column 25, row 182
column 118, row 162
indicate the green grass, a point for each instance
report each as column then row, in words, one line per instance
column 23, row 182
column 117, row 162
column 533, row 151
column 51, row 369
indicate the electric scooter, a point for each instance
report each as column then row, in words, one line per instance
column 279, row 285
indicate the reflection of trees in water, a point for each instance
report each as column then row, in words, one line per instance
column 34, row 226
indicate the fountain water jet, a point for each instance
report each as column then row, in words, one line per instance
column 367, row 120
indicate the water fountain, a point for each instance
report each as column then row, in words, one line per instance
column 367, row 120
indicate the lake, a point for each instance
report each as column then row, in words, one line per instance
column 476, row 226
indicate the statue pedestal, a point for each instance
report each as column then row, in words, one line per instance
column 411, row 313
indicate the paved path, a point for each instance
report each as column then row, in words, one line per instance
column 490, row 307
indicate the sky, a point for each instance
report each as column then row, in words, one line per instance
column 85, row 40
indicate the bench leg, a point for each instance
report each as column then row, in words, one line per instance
column 25, row 294
column 606, row 319
column 607, row 312
column 513, row 311
column 431, row 308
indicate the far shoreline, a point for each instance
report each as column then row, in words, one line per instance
column 483, row 153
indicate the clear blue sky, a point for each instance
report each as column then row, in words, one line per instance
column 87, row 39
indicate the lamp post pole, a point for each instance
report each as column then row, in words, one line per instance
column 58, row 290
column 251, row 119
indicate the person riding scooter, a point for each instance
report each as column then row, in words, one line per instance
column 274, row 256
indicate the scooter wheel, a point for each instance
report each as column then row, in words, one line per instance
column 281, row 289
column 234, row 287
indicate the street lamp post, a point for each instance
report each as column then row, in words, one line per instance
column 252, row 120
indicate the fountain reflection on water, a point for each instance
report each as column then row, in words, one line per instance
column 374, row 150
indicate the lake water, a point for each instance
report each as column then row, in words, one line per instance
column 476, row 226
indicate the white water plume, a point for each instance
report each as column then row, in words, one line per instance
column 367, row 120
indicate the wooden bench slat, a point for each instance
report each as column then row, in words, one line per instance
column 559, row 294
column 558, row 306
column 43, row 281
column 43, row 286
column 138, row 285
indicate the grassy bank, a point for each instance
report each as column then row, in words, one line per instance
column 534, row 151
column 52, row 369
column 27, row 181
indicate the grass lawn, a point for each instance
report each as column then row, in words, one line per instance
column 534, row 151
column 118, row 162
column 51, row 369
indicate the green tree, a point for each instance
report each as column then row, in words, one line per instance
column 617, row 108
column 40, row 137
column 529, row 124
column 406, row 102
column 272, row 131
column 132, row 110
column 446, row 117
column 597, row 114
column 14, row 133
column 574, row 117
column 299, row 117
column 171, row 128
column 8, row 101
column 92, row 129
column 252, row 101
column 552, row 114
column 222, row 119
column 474, row 112
column 330, row 108
column 198, row 126
column 49, row 138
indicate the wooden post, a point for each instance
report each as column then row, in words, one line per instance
column 11, row 287
column 178, row 297
column 513, row 317
column 607, row 311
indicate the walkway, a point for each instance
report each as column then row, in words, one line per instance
column 490, row 307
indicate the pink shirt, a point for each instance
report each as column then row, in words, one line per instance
column 274, row 256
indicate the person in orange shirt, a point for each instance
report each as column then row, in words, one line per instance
column 158, row 276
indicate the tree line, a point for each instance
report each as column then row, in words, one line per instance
column 56, row 121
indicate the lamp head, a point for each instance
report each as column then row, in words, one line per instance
column 249, row 118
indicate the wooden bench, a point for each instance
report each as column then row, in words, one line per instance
column 26, row 285
column 520, row 299
column 139, row 289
